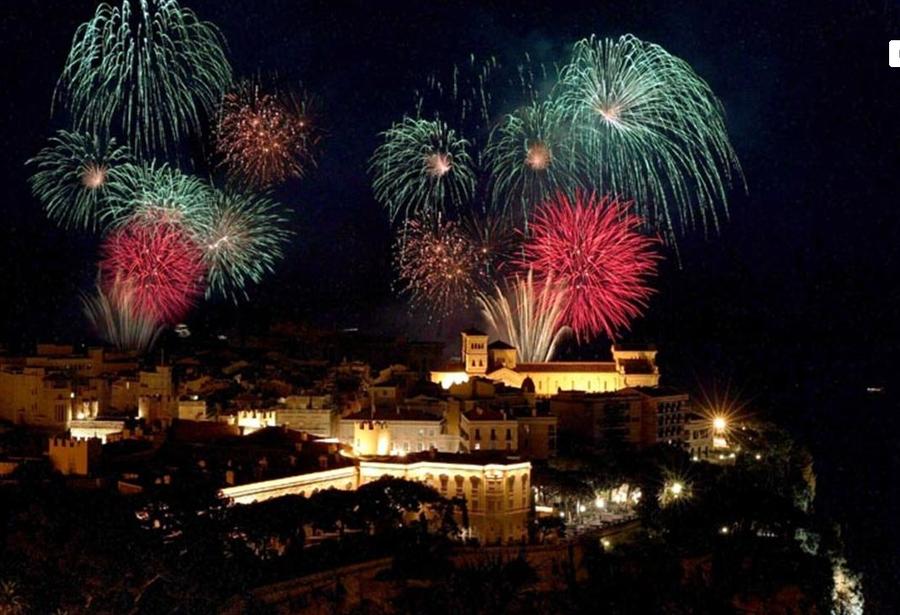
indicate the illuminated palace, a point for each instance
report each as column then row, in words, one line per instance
column 631, row 366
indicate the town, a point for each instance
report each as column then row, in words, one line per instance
column 528, row 457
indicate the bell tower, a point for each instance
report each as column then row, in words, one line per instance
column 475, row 351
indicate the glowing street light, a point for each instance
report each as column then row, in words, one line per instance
column 720, row 424
column 676, row 488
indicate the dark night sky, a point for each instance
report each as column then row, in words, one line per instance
column 794, row 302
column 803, row 268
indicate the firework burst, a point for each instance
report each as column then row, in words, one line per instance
column 72, row 176
column 422, row 168
column 157, row 264
column 494, row 239
column 594, row 248
column 116, row 319
column 526, row 317
column 147, row 192
column 529, row 159
column 148, row 69
column 265, row 138
column 437, row 267
column 652, row 128
column 246, row 238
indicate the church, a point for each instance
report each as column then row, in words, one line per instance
column 631, row 366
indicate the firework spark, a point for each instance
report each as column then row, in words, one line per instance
column 529, row 159
column 437, row 267
column 72, row 176
column 422, row 168
column 158, row 263
column 117, row 320
column 527, row 318
column 149, row 192
column 264, row 138
column 594, row 247
column 653, row 128
column 245, row 240
column 494, row 239
column 149, row 69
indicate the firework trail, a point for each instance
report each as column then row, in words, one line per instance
column 147, row 71
column 526, row 317
column 246, row 237
column 151, row 192
column 652, row 130
column 529, row 157
column 118, row 322
column 423, row 168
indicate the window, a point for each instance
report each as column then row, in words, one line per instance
column 445, row 485
column 493, row 434
column 460, row 485
column 476, row 492
column 509, row 434
column 477, row 434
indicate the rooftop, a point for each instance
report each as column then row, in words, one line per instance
column 487, row 414
column 473, row 458
column 392, row 414
column 567, row 366
column 500, row 345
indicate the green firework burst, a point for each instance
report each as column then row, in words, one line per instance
column 422, row 168
column 651, row 129
column 148, row 71
column 529, row 158
column 72, row 177
column 245, row 239
column 150, row 192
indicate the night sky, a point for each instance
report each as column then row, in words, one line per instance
column 793, row 304
column 801, row 272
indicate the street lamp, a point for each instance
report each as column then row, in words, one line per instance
column 720, row 424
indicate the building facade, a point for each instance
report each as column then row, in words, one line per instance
column 497, row 490
column 631, row 366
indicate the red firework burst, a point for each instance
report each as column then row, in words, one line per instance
column 593, row 247
column 264, row 138
column 159, row 263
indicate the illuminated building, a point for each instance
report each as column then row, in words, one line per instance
column 250, row 421
column 157, row 400
column 101, row 429
column 314, row 414
column 632, row 366
column 488, row 430
column 642, row 416
column 73, row 455
column 398, row 430
column 192, row 408
column 497, row 489
column 36, row 396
